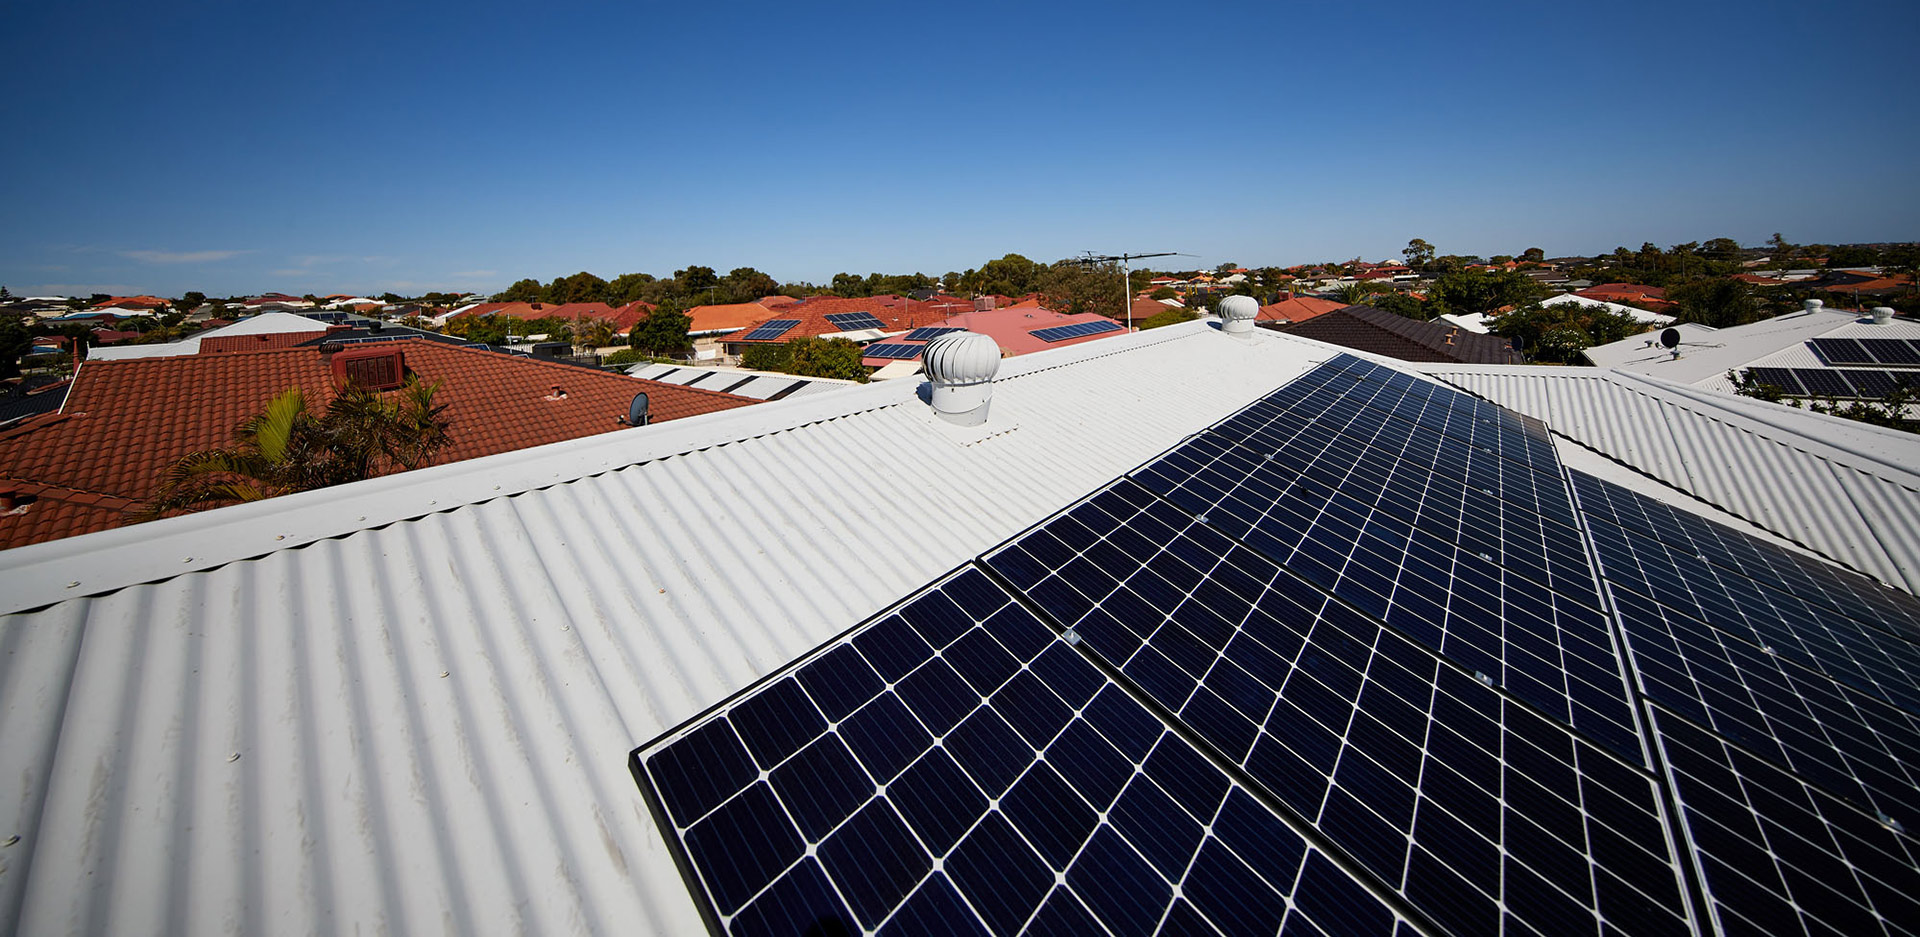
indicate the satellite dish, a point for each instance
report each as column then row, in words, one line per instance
column 1670, row 338
column 637, row 410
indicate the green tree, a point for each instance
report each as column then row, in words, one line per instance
column 694, row 281
column 522, row 291
column 809, row 356
column 582, row 287
column 1075, row 288
column 766, row 357
column 662, row 332
column 627, row 288
column 1400, row 304
column 1354, row 293
column 1534, row 255
column 287, row 448
column 1467, row 292
column 593, row 333
column 1419, row 253
column 1559, row 332
column 745, row 284
column 1170, row 317
column 15, row 342
column 1714, row 301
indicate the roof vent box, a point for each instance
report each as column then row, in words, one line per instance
column 372, row 368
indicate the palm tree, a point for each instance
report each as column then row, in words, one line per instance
column 287, row 448
column 1354, row 293
column 593, row 334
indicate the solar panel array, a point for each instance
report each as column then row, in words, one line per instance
column 892, row 350
column 770, row 330
column 1898, row 352
column 957, row 767
column 1060, row 333
column 1344, row 663
column 1837, row 382
column 849, row 321
column 931, row 332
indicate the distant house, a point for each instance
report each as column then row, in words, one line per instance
column 1626, row 293
column 1814, row 352
column 1291, row 309
column 861, row 320
column 1019, row 329
column 132, row 302
column 1364, row 328
column 124, row 421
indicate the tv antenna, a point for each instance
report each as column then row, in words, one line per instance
column 1671, row 341
column 1126, row 280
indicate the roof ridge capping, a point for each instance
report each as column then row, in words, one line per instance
column 42, row 573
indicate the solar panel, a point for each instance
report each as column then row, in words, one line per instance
column 892, row 350
column 1060, row 333
column 770, row 330
column 955, row 766
column 1779, row 856
column 1842, row 351
column 1342, row 653
column 1893, row 351
column 849, row 321
column 1871, row 383
column 1779, row 377
column 1461, row 800
column 931, row 332
column 1821, row 382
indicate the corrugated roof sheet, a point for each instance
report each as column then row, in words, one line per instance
column 1841, row 489
column 406, row 706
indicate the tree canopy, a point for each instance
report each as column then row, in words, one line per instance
column 1466, row 292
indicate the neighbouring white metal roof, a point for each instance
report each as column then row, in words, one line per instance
column 1638, row 314
column 759, row 385
column 406, row 705
column 1843, row 489
column 1707, row 354
column 267, row 323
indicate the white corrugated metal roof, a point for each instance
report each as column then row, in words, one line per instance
column 1706, row 355
column 406, row 705
column 1845, row 490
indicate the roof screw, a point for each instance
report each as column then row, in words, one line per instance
column 443, row 673
column 1481, row 676
column 74, row 584
column 1891, row 823
column 1070, row 636
column 1485, row 558
column 1202, row 518
column 279, row 536
column 233, row 758
column 187, row 560
column 10, row 840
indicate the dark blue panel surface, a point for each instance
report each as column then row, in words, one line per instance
column 999, row 782
column 1401, row 760
column 771, row 329
column 1060, row 333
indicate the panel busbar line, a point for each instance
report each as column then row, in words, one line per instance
column 1389, row 515
column 955, row 766
column 1855, row 596
column 1483, row 814
column 1779, row 856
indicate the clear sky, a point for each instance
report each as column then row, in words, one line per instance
column 363, row 147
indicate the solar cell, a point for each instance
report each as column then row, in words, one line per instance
column 1454, row 796
column 1894, row 351
column 1871, row 383
column 896, row 350
column 1779, row 377
column 1842, row 351
column 1779, row 856
column 955, row 766
column 1822, row 382
column 931, row 332
column 1060, row 333
column 770, row 330
column 849, row 321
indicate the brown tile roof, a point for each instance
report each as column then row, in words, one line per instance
column 1365, row 328
column 125, row 421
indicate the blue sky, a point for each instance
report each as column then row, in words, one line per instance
column 348, row 147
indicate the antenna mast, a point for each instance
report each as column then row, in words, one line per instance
column 1126, row 281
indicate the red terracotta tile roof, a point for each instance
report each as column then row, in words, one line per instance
column 125, row 421
column 629, row 315
column 1012, row 327
column 727, row 316
column 132, row 302
column 895, row 312
column 1297, row 309
column 226, row 344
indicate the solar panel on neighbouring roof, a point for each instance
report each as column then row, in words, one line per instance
column 770, row 330
column 1842, row 351
column 1778, row 377
column 1060, row 333
column 895, row 350
column 1822, row 382
column 955, row 766
column 931, row 332
column 1898, row 352
column 849, row 321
